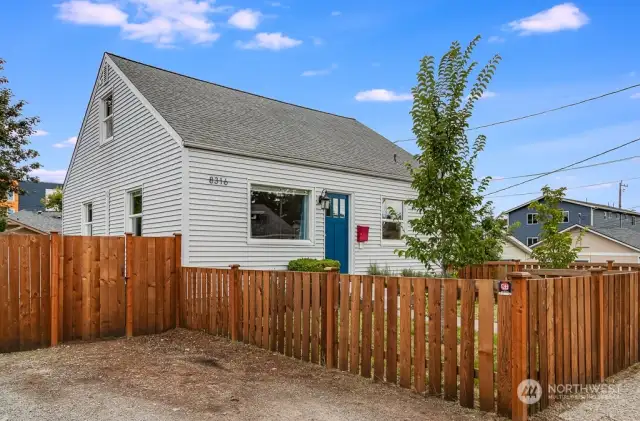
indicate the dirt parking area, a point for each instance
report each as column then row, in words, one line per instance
column 182, row 375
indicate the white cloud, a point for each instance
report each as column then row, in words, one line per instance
column 636, row 95
column 321, row 72
column 317, row 41
column 558, row 18
column 269, row 41
column 67, row 143
column 336, row 13
column 375, row 64
column 245, row 19
column 39, row 133
column 496, row 39
column 382, row 95
column 53, row 176
column 159, row 22
column 488, row 94
column 86, row 13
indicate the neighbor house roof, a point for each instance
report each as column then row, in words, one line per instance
column 210, row 116
column 44, row 222
column 579, row 202
column 624, row 236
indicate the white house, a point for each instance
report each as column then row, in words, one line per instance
column 239, row 175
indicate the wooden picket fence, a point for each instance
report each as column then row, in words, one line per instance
column 500, row 269
column 377, row 326
column 452, row 338
column 55, row 288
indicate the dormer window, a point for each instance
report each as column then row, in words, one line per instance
column 106, row 112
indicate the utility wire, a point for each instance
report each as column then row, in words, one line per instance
column 572, row 188
column 570, row 169
column 511, row 120
column 565, row 167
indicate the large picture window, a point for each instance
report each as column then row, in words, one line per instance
column 279, row 213
column 392, row 224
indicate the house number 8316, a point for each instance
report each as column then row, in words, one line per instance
column 218, row 180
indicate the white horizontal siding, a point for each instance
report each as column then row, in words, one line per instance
column 217, row 215
column 141, row 154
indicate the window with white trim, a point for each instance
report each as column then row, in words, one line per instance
column 106, row 117
column 11, row 196
column 11, row 211
column 279, row 213
column 392, row 219
column 565, row 217
column 532, row 219
column 606, row 215
column 134, row 212
column 87, row 219
column 633, row 220
column 531, row 241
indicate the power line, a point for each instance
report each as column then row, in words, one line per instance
column 571, row 188
column 497, row 123
column 570, row 169
column 564, row 168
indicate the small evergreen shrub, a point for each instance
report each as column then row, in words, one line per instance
column 312, row 265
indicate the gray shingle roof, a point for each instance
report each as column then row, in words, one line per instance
column 624, row 235
column 212, row 116
column 44, row 221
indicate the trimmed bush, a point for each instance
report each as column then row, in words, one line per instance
column 312, row 265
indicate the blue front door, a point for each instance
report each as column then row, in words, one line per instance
column 337, row 230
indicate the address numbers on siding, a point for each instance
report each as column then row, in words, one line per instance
column 218, row 181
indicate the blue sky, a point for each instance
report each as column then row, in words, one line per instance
column 359, row 59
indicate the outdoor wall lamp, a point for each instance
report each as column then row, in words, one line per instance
column 324, row 200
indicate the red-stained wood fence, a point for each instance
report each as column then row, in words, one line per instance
column 64, row 288
column 451, row 338
column 407, row 331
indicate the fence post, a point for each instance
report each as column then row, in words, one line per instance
column 128, row 263
column 517, row 267
column 332, row 273
column 54, row 274
column 233, row 301
column 597, row 276
column 178, row 280
column 610, row 264
column 519, row 338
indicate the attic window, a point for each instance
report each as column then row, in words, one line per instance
column 106, row 113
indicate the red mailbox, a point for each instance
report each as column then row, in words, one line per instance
column 363, row 233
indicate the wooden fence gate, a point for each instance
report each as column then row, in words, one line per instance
column 76, row 288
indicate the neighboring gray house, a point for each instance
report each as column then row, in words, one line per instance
column 31, row 199
column 29, row 222
column 160, row 153
column 576, row 212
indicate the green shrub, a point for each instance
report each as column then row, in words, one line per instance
column 312, row 265
column 413, row 273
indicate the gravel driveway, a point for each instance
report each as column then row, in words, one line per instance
column 190, row 375
column 618, row 401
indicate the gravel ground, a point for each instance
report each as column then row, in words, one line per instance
column 190, row 375
column 619, row 401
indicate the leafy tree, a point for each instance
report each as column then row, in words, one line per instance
column 53, row 201
column 16, row 160
column 3, row 219
column 456, row 226
column 555, row 250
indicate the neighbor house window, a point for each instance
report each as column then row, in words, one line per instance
column 565, row 216
column 532, row 218
column 531, row 241
column 606, row 215
column 392, row 219
column 11, row 196
column 87, row 219
column 280, row 213
column 107, row 118
column 11, row 211
column 633, row 220
column 134, row 212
